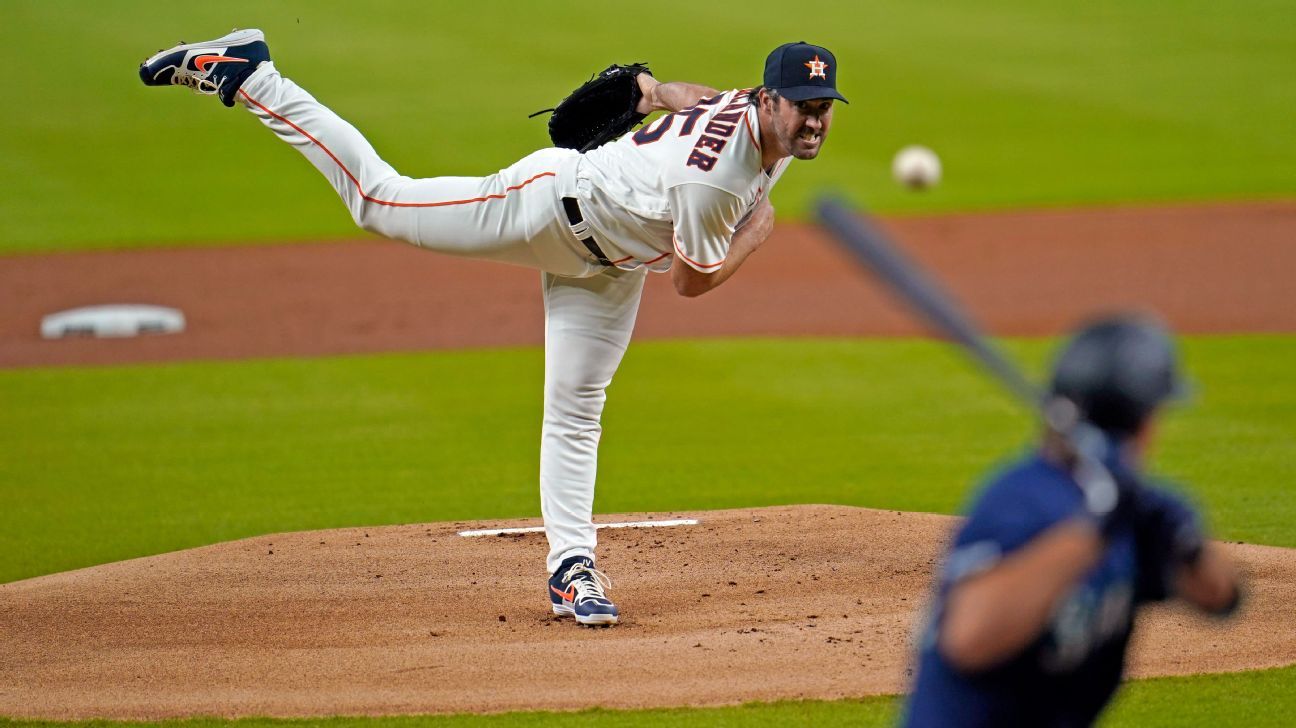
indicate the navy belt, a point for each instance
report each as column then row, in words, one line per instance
column 581, row 230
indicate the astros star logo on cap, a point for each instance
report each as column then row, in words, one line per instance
column 818, row 69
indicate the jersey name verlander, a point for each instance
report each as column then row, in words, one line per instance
column 679, row 186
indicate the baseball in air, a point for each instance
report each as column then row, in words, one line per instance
column 916, row 167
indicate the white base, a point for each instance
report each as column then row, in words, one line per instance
column 113, row 321
column 540, row 529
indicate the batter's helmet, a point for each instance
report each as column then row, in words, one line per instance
column 1117, row 370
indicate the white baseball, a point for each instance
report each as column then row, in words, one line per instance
column 916, row 167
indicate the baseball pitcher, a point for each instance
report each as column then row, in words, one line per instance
column 688, row 194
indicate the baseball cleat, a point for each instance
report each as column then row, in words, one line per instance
column 576, row 588
column 214, row 67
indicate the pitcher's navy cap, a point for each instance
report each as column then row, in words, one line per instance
column 800, row 71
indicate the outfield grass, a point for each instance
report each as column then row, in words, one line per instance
column 1028, row 103
column 110, row 463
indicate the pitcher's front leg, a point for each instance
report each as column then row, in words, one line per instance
column 588, row 323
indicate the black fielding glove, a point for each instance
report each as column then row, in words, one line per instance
column 602, row 109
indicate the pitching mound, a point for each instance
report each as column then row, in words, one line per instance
column 766, row 604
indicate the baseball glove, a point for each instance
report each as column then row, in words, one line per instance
column 601, row 110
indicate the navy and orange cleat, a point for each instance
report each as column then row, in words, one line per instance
column 576, row 588
column 215, row 67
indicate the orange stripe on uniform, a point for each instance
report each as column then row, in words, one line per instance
column 751, row 134
column 375, row 200
column 694, row 263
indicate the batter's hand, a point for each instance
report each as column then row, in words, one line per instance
column 1168, row 529
column 648, row 85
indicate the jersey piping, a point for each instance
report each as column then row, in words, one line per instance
column 694, row 263
column 751, row 134
column 390, row 203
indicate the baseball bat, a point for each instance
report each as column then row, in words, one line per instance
column 872, row 247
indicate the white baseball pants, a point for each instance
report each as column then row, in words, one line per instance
column 514, row 216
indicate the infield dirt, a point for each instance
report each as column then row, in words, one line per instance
column 1220, row 268
column 762, row 604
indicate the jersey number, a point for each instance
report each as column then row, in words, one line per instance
column 658, row 129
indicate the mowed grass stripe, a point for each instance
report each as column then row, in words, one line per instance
column 103, row 464
column 1028, row 103
column 1242, row 700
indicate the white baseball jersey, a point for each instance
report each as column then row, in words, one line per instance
column 679, row 186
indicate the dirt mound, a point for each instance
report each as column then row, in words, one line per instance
column 764, row 604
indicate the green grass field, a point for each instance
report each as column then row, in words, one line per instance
column 1028, row 103
column 111, row 463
